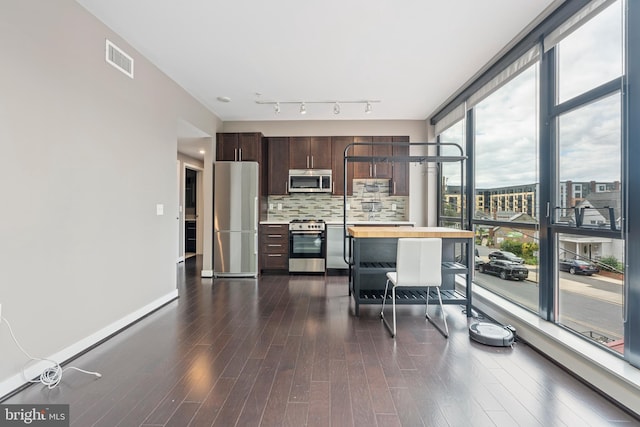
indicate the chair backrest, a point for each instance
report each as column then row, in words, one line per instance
column 419, row 262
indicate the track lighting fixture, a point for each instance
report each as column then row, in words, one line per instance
column 336, row 104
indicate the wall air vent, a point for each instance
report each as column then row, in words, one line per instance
column 116, row 57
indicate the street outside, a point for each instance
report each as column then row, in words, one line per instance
column 592, row 305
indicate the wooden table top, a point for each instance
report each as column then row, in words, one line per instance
column 404, row 231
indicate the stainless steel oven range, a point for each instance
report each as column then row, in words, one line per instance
column 307, row 246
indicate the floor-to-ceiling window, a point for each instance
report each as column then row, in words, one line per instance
column 506, row 181
column 544, row 133
column 587, row 231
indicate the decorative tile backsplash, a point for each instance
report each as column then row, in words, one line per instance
column 370, row 202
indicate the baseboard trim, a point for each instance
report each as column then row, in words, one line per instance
column 206, row 273
column 13, row 384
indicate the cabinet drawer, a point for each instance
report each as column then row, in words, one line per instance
column 275, row 248
column 274, row 228
column 275, row 237
column 275, row 261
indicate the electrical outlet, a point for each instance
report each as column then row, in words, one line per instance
column 279, row 206
column 393, row 206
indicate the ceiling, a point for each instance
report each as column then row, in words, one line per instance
column 410, row 55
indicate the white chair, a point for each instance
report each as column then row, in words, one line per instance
column 418, row 265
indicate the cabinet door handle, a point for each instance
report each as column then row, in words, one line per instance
column 273, row 226
column 240, row 154
column 275, row 236
column 235, row 154
column 274, row 255
column 311, row 162
column 375, row 171
column 370, row 170
column 307, row 162
column 273, row 245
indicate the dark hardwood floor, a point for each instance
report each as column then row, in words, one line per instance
column 288, row 351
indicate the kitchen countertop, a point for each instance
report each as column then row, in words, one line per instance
column 395, row 232
column 339, row 222
column 373, row 223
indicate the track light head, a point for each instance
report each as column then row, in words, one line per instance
column 303, row 108
column 367, row 109
column 336, row 108
column 277, row 108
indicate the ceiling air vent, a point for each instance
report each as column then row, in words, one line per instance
column 116, row 57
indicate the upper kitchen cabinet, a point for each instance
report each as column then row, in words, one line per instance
column 372, row 169
column 310, row 152
column 246, row 146
column 278, row 161
column 400, row 176
column 338, row 145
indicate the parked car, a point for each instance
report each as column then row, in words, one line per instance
column 507, row 256
column 504, row 269
column 577, row 266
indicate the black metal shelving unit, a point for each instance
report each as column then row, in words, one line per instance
column 370, row 261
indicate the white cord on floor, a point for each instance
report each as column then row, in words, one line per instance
column 51, row 376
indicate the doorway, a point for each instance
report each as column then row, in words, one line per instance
column 190, row 212
column 193, row 211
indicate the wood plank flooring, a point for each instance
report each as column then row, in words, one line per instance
column 288, row 351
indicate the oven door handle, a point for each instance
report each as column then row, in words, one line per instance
column 311, row 232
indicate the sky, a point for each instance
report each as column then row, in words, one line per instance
column 589, row 138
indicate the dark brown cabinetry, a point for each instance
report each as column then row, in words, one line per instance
column 382, row 169
column 338, row 145
column 310, row 152
column 400, row 174
column 278, row 165
column 372, row 169
column 274, row 245
column 239, row 147
column 284, row 153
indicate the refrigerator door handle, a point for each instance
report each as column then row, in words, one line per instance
column 255, row 214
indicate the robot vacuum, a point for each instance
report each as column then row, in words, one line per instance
column 492, row 334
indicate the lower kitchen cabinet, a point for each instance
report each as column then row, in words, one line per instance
column 274, row 245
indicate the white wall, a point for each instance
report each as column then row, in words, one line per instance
column 417, row 130
column 87, row 154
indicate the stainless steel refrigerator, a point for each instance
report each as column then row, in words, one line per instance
column 235, row 219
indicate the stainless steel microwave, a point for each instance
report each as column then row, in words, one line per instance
column 310, row 181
